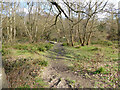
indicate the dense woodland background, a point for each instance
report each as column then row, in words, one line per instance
column 83, row 23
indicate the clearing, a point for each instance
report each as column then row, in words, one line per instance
column 58, row 66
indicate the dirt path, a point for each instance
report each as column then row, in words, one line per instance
column 58, row 75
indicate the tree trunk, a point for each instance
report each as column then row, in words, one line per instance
column 11, row 29
column 14, row 23
column 84, row 30
column 79, row 34
column 88, row 41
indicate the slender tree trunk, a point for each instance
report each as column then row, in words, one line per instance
column 1, row 20
column 91, row 28
column 88, row 40
column 8, row 34
column 36, row 23
column 71, row 29
column 71, row 36
column 79, row 33
column 11, row 28
column 28, row 32
column 8, row 28
column 84, row 30
column 14, row 23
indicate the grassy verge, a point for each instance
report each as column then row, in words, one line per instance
column 96, row 62
column 23, row 63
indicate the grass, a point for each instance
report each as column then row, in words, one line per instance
column 105, row 42
column 26, row 86
column 5, row 50
column 64, row 44
column 25, row 67
column 24, row 60
column 39, row 83
column 99, row 61
column 26, row 49
column 99, row 70
column 33, row 47
column 40, row 62
column 71, row 82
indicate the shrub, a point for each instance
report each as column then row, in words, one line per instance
column 33, row 47
column 43, row 63
column 48, row 46
column 5, row 52
column 6, row 46
column 108, row 43
column 21, row 47
column 28, row 47
column 94, row 49
column 64, row 44
column 115, row 42
column 100, row 70
column 41, row 48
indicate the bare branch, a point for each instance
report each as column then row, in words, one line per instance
column 75, row 10
column 60, row 10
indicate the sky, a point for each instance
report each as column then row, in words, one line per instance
column 115, row 2
column 112, row 1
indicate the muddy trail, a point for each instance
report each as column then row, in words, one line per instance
column 58, row 75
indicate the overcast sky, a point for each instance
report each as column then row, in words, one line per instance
column 115, row 2
column 116, row 6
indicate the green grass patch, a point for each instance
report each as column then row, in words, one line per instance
column 41, row 48
column 21, row 52
column 89, row 48
column 105, row 42
column 39, row 82
column 70, row 81
column 5, row 52
column 40, row 61
column 26, row 86
column 43, row 63
column 33, row 47
column 48, row 46
column 99, row 70
column 64, row 44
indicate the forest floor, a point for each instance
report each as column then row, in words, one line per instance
column 65, row 69
column 58, row 73
column 93, row 66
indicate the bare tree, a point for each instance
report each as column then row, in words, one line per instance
column 91, row 9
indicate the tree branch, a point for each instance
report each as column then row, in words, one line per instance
column 60, row 11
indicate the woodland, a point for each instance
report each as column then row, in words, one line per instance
column 60, row 44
